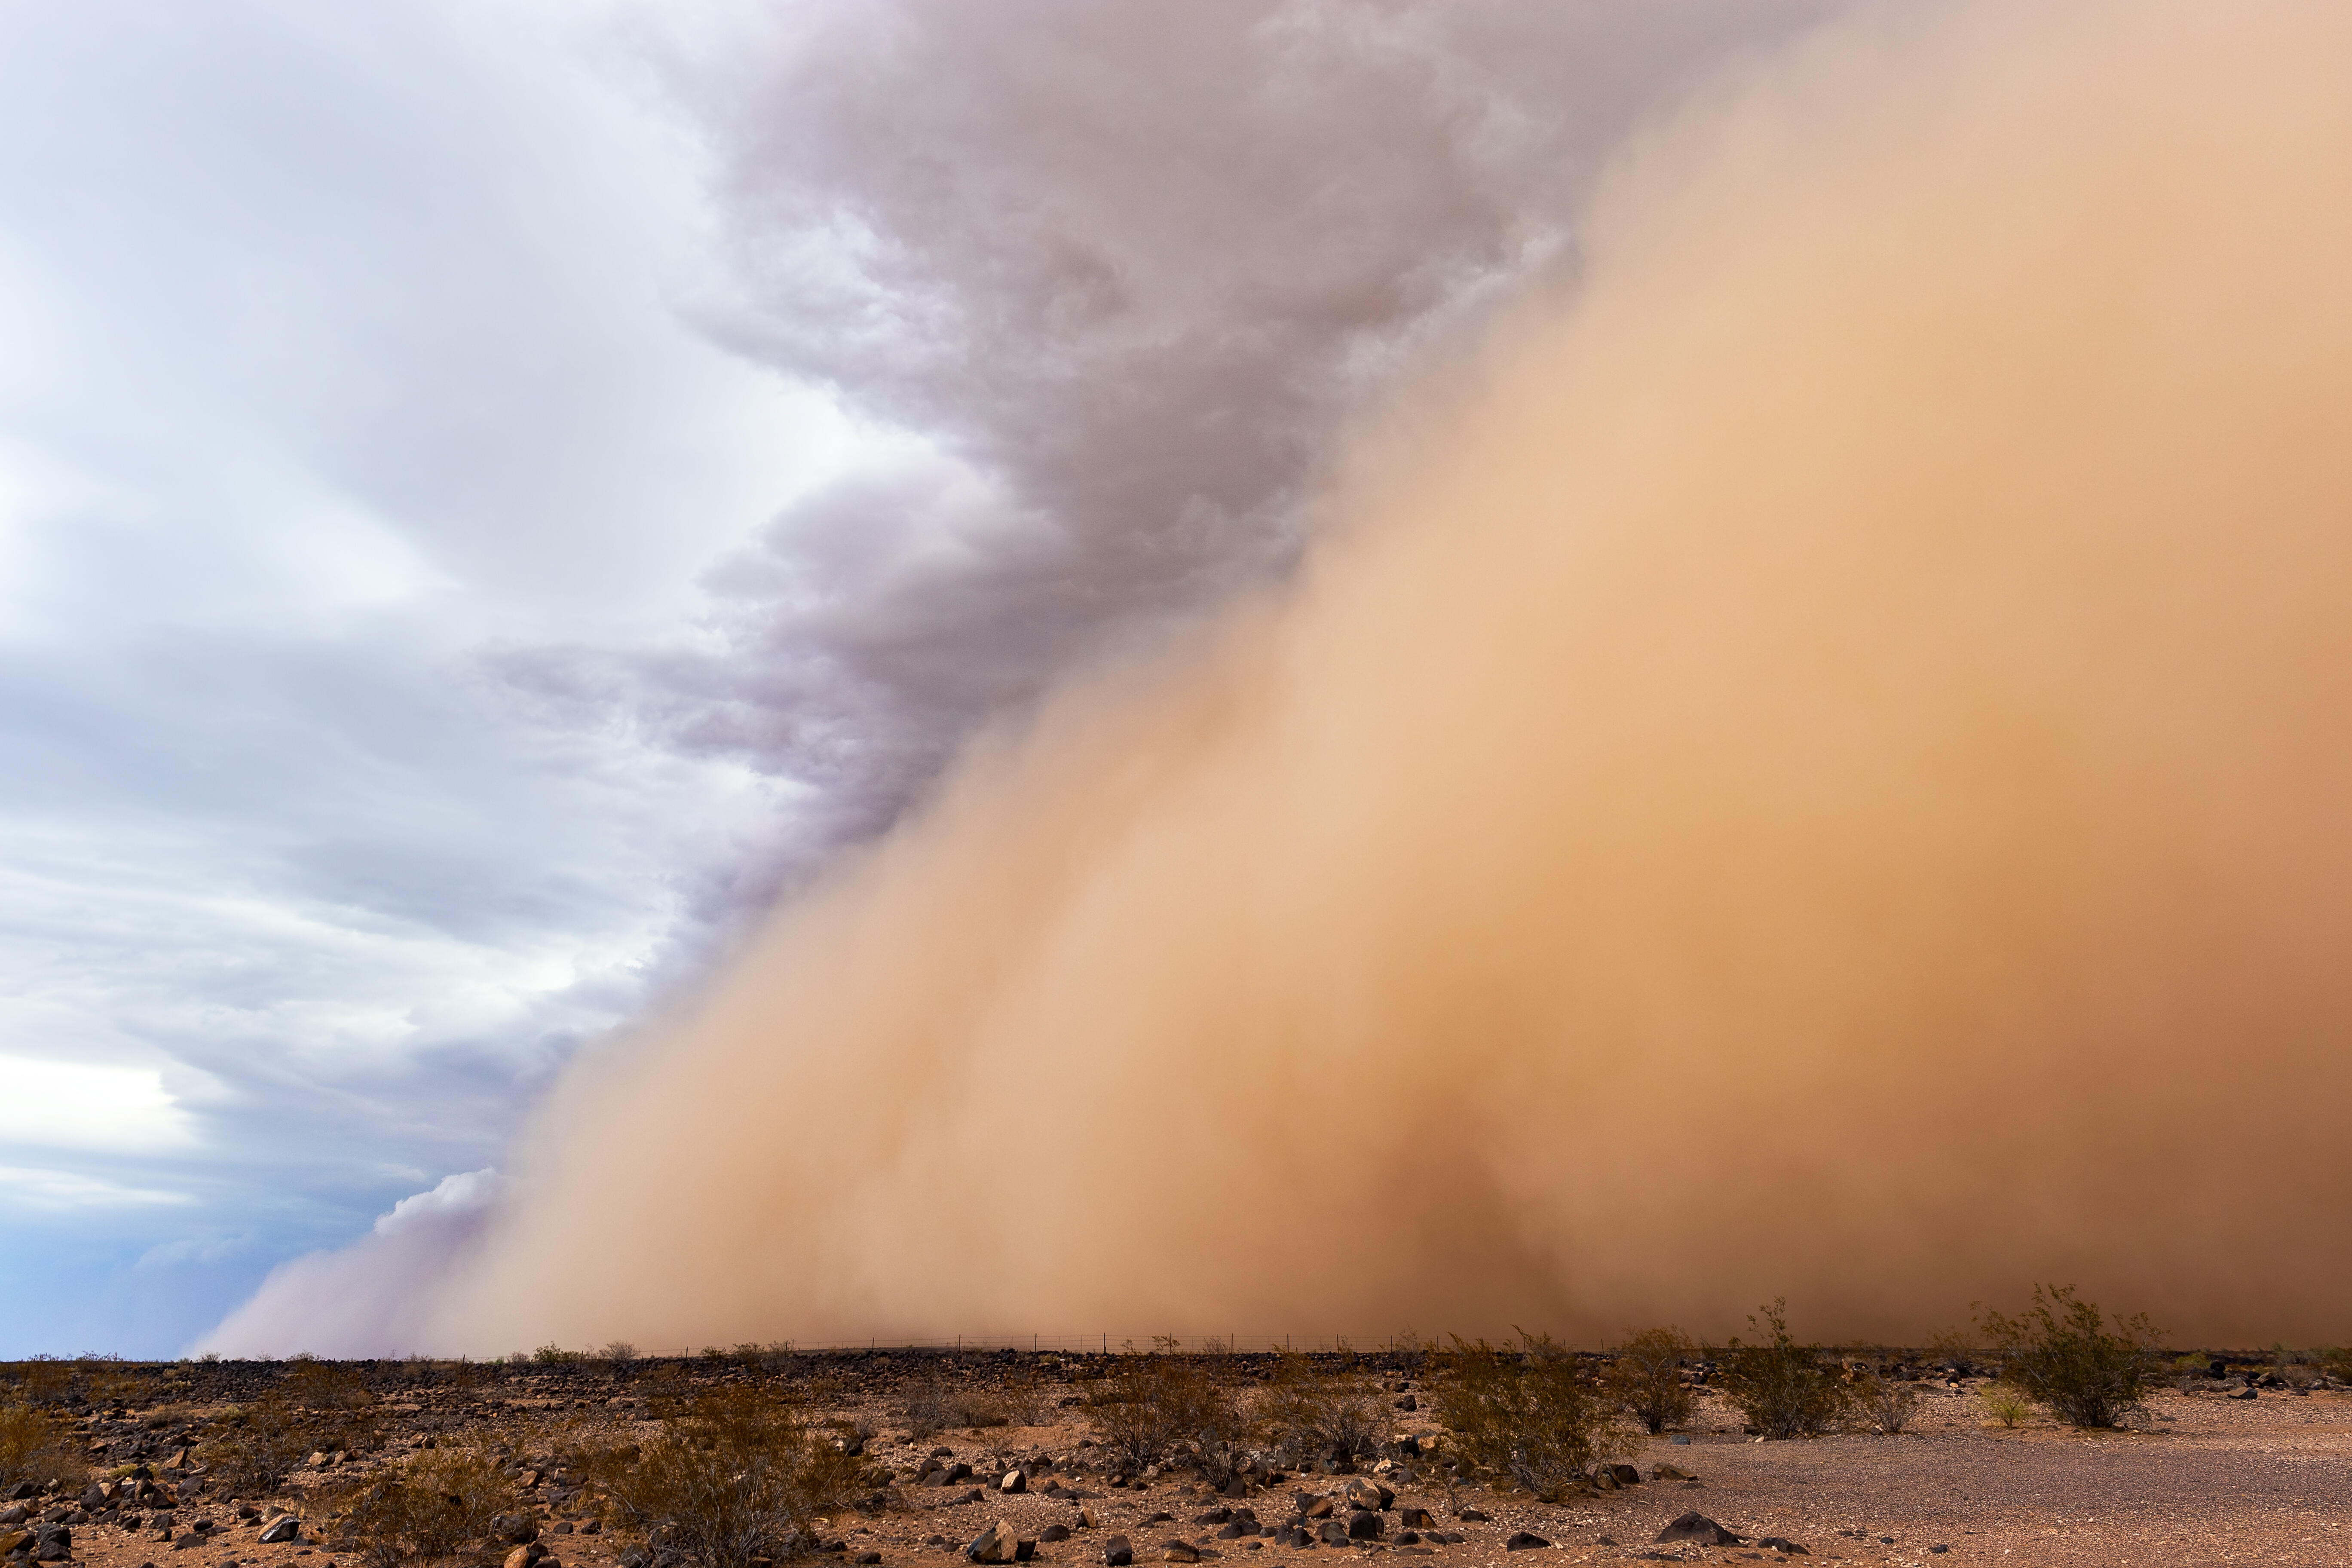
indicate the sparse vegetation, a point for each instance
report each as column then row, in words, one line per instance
column 2061, row 1353
column 1884, row 1404
column 1311, row 1413
column 2004, row 1403
column 1535, row 1414
column 934, row 1404
column 318, row 1405
column 429, row 1508
column 736, row 1475
column 1645, row 1378
column 1783, row 1388
column 33, row 1448
column 1154, row 1401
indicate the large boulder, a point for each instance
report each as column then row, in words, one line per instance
column 1696, row 1526
column 994, row 1544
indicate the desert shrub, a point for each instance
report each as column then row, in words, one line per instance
column 1153, row 1402
column 554, row 1354
column 618, row 1351
column 1882, row 1403
column 1311, row 1413
column 934, row 1403
column 434, row 1506
column 1783, row 1388
column 1534, row 1413
column 33, row 1446
column 42, row 1380
column 2334, row 1361
column 2061, row 1353
column 1645, row 1378
column 2187, row 1370
column 316, row 1405
column 2004, row 1403
column 733, row 1475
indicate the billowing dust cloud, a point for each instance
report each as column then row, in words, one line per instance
column 1819, row 762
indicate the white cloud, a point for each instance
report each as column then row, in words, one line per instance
column 87, row 1105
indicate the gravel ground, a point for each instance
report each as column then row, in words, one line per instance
column 2202, row 1480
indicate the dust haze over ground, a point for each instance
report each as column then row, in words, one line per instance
column 1813, row 767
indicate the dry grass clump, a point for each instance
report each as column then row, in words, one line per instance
column 1882, row 1403
column 935, row 1404
column 733, row 1475
column 1535, row 1414
column 2061, row 1353
column 1153, row 1403
column 1645, row 1378
column 1783, row 1388
column 1313, row 1413
column 33, row 1446
column 433, row 1507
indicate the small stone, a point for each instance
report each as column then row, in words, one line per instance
column 1055, row 1532
column 1937, row 1549
column 1180, row 1552
column 285, row 1527
column 1364, row 1525
column 1782, row 1544
column 1086, row 1519
column 1331, row 1532
column 591, row 1526
column 1682, row 1439
column 1365, row 1494
column 1670, row 1473
column 1408, row 1402
column 1472, row 1515
column 1320, row 1508
column 1117, row 1553
column 1415, row 1518
column 867, row 1559
column 1013, row 1482
column 1524, row 1541
column 1024, row 1550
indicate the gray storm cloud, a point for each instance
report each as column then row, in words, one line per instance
column 1812, row 764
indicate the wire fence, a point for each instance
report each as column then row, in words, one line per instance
column 1101, row 1342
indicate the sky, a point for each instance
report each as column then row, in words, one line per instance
column 494, row 495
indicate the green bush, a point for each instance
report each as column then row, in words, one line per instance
column 1645, row 1378
column 2061, row 1353
column 2004, row 1403
column 1783, row 1388
column 1535, row 1414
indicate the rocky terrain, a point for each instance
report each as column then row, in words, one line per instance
column 998, row 1457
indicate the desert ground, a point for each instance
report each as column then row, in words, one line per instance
column 2236, row 1468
